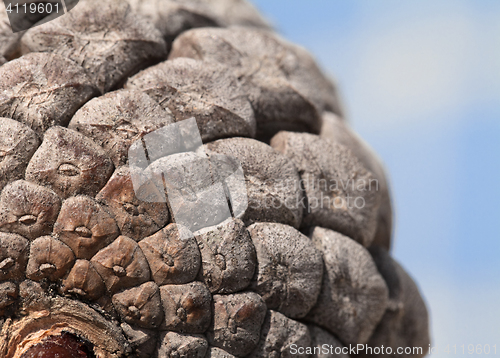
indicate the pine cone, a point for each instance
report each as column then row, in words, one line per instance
column 178, row 181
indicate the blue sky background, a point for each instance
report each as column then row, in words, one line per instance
column 421, row 84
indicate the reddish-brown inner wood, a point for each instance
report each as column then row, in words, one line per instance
column 64, row 346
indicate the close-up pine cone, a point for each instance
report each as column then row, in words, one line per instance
column 177, row 180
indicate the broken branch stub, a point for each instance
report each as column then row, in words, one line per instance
column 105, row 339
